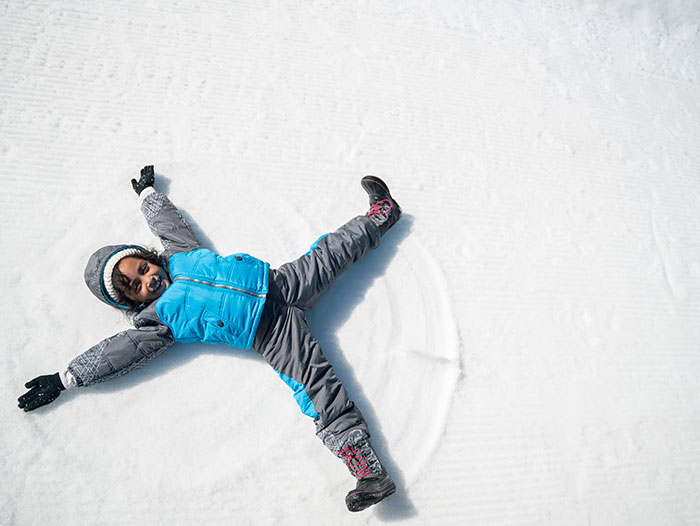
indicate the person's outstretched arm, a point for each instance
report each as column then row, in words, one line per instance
column 112, row 357
column 127, row 350
column 163, row 218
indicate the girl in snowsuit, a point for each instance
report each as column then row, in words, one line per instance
column 190, row 294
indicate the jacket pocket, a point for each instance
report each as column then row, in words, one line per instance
column 218, row 329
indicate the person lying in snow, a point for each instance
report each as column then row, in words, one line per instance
column 190, row 294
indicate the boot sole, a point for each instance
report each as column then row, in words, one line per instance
column 361, row 500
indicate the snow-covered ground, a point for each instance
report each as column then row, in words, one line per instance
column 525, row 343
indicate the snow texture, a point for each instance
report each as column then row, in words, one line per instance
column 525, row 343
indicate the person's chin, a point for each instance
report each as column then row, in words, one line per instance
column 157, row 294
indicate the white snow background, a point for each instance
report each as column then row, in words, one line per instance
column 525, row 344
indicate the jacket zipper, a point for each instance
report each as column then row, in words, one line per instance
column 220, row 286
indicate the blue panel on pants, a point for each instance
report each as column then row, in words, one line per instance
column 314, row 245
column 305, row 403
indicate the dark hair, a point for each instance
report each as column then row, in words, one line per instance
column 121, row 282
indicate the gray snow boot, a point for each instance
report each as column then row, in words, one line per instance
column 373, row 482
column 383, row 210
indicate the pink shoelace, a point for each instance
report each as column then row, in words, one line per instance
column 359, row 468
column 381, row 208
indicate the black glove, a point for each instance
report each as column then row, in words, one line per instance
column 42, row 390
column 146, row 180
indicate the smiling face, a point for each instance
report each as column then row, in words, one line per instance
column 142, row 282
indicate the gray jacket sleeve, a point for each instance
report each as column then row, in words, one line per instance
column 123, row 352
column 166, row 222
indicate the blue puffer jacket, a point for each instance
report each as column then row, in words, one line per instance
column 211, row 299
column 214, row 299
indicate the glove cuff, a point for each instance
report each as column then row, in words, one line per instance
column 146, row 192
column 67, row 379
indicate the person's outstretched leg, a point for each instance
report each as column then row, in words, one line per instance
column 287, row 344
column 285, row 340
column 302, row 282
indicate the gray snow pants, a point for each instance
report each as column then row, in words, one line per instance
column 285, row 340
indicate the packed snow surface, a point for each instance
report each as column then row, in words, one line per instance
column 525, row 343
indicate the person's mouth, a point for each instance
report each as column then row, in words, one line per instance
column 158, row 285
